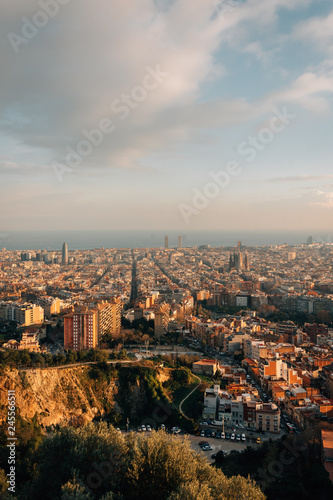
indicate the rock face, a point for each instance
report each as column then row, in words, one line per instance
column 69, row 395
column 56, row 395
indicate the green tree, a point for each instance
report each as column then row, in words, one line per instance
column 135, row 467
column 25, row 358
column 182, row 375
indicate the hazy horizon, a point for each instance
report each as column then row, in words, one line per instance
column 89, row 239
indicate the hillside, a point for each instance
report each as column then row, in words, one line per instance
column 76, row 395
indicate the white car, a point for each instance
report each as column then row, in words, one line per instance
column 208, row 447
column 149, row 428
column 222, row 435
column 233, row 436
column 143, row 428
column 243, row 437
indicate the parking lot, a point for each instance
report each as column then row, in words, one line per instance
column 219, row 444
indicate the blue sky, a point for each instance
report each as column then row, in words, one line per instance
column 205, row 78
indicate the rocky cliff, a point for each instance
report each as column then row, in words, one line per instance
column 70, row 395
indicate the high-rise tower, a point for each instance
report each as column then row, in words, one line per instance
column 180, row 242
column 166, row 241
column 65, row 254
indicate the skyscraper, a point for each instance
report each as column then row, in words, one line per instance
column 180, row 242
column 166, row 242
column 65, row 254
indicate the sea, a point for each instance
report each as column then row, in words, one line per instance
column 88, row 240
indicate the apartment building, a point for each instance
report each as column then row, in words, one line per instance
column 267, row 417
column 24, row 314
column 278, row 369
column 234, row 342
column 109, row 317
column 327, row 451
column 50, row 305
column 211, row 399
column 81, row 329
column 206, row 367
column 161, row 320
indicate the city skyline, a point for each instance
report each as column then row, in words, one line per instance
column 207, row 116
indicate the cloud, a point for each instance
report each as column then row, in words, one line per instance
column 303, row 92
column 318, row 31
column 300, row 178
column 326, row 199
column 66, row 78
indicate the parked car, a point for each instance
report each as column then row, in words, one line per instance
column 233, row 436
column 222, row 435
column 201, row 443
column 202, row 434
column 143, row 427
column 204, row 423
column 162, row 426
column 243, row 437
column 227, row 436
column 139, row 429
column 218, row 434
column 208, row 433
column 149, row 429
column 207, row 447
column 238, row 438
column 212, row 434
column 258, row 440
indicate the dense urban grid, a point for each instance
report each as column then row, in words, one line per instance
column 258, row 318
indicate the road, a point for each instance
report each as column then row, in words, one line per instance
column 73, row 365
column 195, row 388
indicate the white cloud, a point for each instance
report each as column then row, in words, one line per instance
column 66, row 78
column 325, row 199
column 318, row 30
column 303, row 92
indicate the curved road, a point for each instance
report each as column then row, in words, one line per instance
column 181, row 403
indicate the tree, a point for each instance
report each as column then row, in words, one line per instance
column 4, row 486
column 25, row 358
column 72, row 490
column 182, row 375
column 122, row 354
column 131, row 467
column 219, row 457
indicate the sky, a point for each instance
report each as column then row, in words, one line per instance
column 166, row 114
